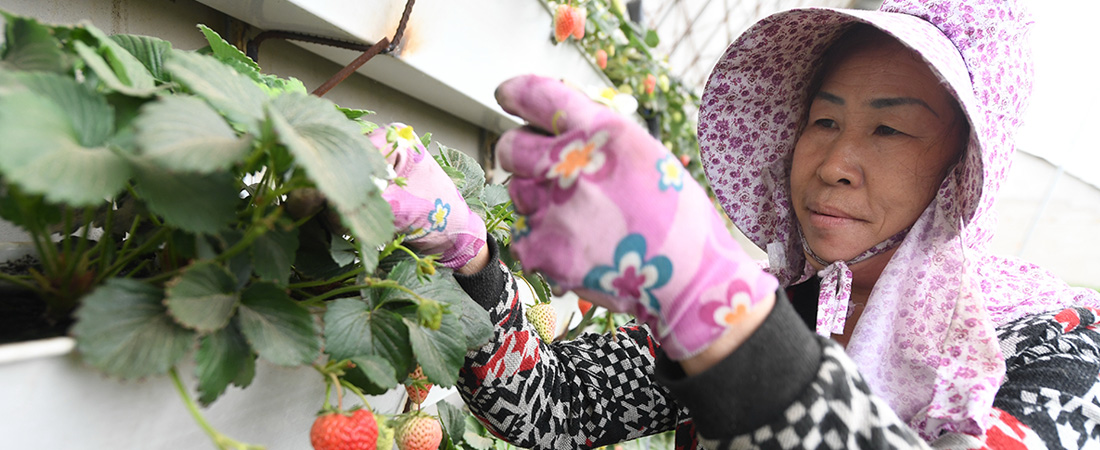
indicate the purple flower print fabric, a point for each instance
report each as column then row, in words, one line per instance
column 612, row 214
column 429, row 208
column 925, row 341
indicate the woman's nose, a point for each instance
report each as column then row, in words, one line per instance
column 840, row 165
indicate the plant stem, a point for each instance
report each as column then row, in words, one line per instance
column 66, row 243
column 339, row 392
column 19, row 281
column 258, row 228
column 336, row 279
column 372, row 283
column 129, row 237
column 328, row 385
column 154, row 241
column 222, row 441
column 356, row 391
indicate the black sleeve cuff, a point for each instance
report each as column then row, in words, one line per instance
column 487, row 285
column 755, row 383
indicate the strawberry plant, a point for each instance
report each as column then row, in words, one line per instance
column 624, row 52
column 184, row 204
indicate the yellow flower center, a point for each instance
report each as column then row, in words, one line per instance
column 406, row 133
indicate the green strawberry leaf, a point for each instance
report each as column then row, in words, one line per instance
column 453, row 420
column 314, row 256
column 273, row 254
column 343, row 253
column 473, row 180
column 117, row 68
column 185, row 134
column 203, row 297
column 447, row 443
column 341, row 162
column 352, row 329
column 91, row 117
column 126, row 68
column 43, row 153
column 494, row 195
column 279, row 329
column 30, row 46
column 235, row 96
column 352, row 113
column 440, row 352
column 456, row 176
column 377, row 370
column 475, row 436
column 150, row 51
column 233, row 57
column 442, row 287
column 541, row 287
column 227, row 53
column 224, row 357
column 123, row 329
column 195, row 203
column 27, row 211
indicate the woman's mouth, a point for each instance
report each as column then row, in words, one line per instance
column 827, row 217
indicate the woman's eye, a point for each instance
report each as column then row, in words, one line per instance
column 825, row 123
column 884, row 130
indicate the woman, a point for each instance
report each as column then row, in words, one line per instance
column 862, row 150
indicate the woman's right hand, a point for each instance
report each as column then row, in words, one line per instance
column 610, row 213
column 427, row 205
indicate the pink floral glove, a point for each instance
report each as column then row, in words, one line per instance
column 613, row 215
column 429, row 208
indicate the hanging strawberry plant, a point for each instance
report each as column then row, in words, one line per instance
column 185, row 204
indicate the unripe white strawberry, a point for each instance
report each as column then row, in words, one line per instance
column 544, row 318
column 418, row 386
column 419, row 432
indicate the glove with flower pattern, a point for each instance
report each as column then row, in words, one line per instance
column 428, row 208
column 611, row 214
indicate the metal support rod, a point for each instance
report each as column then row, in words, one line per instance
column 252, row 49
column 384, row 45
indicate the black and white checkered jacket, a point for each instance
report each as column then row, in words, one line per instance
column 784, row 388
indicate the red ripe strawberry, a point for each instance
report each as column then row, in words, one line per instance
column 564, row 22
column 419, row 432
column 337, row 431
column 584, row 305
column 601, row 58
column 579, row 17
column 418, row 386
column 543, row 317
column 650, row 83
column 685, row 159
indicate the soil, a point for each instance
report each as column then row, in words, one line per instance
column 22, row 312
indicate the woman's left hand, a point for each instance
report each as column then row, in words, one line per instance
column 612, row 214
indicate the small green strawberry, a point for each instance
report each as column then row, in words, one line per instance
column 419, row 431
column 544, row 317
column 385, row 434
column 339, row 431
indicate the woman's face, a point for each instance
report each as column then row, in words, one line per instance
column 879, row 139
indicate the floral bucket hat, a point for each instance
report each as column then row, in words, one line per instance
column 934, row 309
